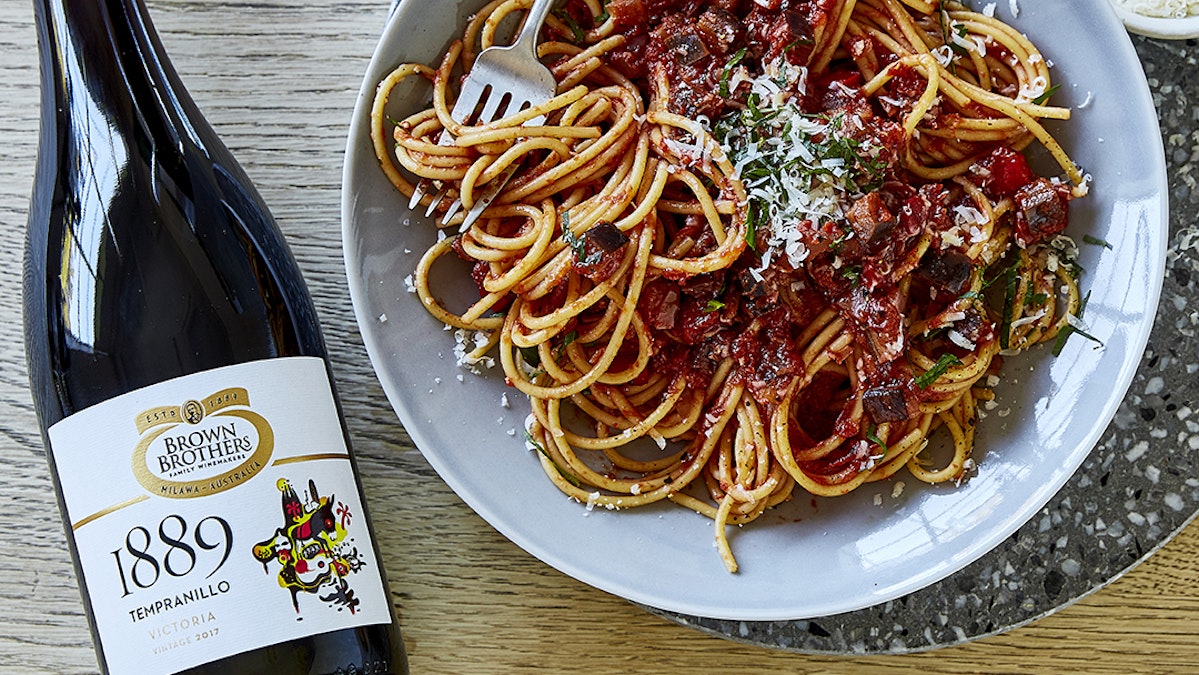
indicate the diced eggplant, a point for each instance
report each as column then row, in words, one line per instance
column 870, row 218
column 1041, row 211
column 886, row 403
column 949, row 269
column 720, row 29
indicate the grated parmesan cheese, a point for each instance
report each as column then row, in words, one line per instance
column 466, row 345
column 943, row 55
column 1033, row 90
column 968, row 215
column 786, row 162
column 1029, row 319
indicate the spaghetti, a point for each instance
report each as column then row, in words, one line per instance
column 754, row 246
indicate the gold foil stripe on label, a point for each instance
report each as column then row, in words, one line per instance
column 163, row 414
column 104, row 512
column 174, row 414
column 310, row 458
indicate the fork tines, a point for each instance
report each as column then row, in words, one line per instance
column 476, row 105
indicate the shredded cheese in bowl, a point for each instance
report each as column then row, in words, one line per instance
column 1176, row 9
column 1164, row 19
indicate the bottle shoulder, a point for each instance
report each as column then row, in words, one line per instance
column 150, row 254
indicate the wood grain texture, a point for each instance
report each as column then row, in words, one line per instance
column 278, row 80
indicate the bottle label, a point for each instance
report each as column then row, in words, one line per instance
column 217, row 513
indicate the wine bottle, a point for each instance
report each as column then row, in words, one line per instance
column 200, row 460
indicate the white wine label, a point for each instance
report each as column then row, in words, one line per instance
column 217, row 513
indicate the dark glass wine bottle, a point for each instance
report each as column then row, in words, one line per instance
column 181, row 381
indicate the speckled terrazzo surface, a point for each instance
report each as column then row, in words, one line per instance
column 1134, row 492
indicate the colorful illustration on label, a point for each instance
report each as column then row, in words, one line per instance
column 313, row 550
column 201, row 447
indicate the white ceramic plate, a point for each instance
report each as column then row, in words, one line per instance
column 1166, row 28
column 809, row 557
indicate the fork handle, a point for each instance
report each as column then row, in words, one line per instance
column 528, row 32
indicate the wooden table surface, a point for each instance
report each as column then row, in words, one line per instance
column 278, row 80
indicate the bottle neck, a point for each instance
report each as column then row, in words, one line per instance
column 103, row 67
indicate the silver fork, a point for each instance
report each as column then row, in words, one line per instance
column 503, row 81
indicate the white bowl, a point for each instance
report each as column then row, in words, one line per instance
column 810, row 557
column 1158, row 27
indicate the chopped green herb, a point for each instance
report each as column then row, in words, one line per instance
column 934, row 333
column 948, row 29
column 1043, row 98
column 1069, row 330
column 570, row 22
column 567, row 340
column 933, row 374
column 714, row 306
column 604, row 15
column 531, row 356
column 577, row 244
column 873, row 438
column 1010, row 286
column 541, row 449
column 948, row 32
column 533, row 442
column 806, row 41
column 1031, row 297
column 853, row 273
column 1065, row 334
column 751, row 108
column 751, row 225
column 987, row 283
column 728, row 71
column 835, row 247
column 1095, row 241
